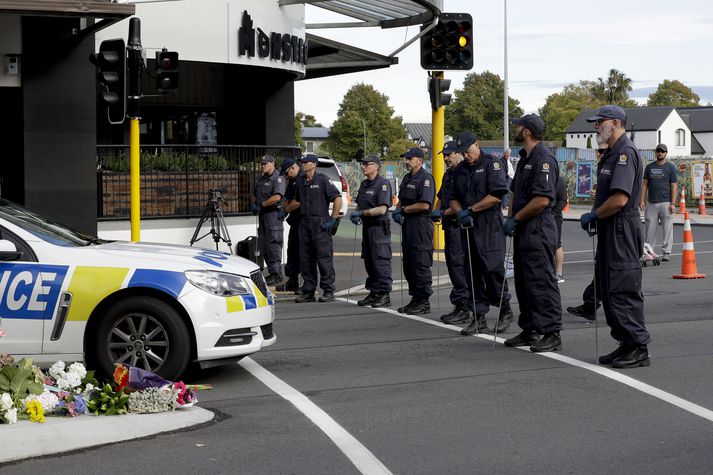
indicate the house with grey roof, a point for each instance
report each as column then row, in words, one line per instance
column 652, row 125
column 420, row 133
column 314, row 137
column 700, row 122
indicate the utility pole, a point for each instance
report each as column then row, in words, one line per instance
column 135, row 68
column 506, row 104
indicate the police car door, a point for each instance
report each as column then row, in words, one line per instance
column 22, row 298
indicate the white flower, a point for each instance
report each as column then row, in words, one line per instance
column 78, row 369
column 48, row 400
column 57, row 370
column 5, row 402
column 11, row 415
column 88, row 387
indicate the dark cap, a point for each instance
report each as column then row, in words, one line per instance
column 464, row 141
column 286, row 166
column 531, row 122
column 413, row 152
column 449, row 148
column 267, row 159
column 608, row 112
column 371, row 158
column 310, row 157
column 662, row 146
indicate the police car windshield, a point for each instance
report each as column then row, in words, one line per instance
column 43, row 228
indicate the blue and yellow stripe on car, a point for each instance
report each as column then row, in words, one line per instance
column 238, row 303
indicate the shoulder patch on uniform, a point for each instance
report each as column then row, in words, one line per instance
column 622, row 159
column 279, row 179
column 496, row 166
column 384, row 187
column 427, row 182
column 545, row 167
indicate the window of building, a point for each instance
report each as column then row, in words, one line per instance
column 309, row 146
column 680, row 138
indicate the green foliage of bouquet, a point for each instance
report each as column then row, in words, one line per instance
column 20, row 380
column 107, row 402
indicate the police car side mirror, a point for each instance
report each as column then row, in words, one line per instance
column 8, row 251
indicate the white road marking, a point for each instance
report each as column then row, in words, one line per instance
column 693, row 408
column 359, row 455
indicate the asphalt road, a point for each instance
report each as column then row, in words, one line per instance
column 417, row 397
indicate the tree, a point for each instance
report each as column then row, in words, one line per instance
column 562, row 108
column 673, row 93
column 303, row 120
column 614, row 89
column 478, row 107
column 364, row 119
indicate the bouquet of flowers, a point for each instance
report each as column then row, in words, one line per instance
column 8, row 413
column 149, row 392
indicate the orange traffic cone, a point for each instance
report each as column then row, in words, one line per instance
column 566, row 207
column 689, row 270
column 682, row 203
column 702, row 203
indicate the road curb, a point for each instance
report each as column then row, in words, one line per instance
column 64, row 434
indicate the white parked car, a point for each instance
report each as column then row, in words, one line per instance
column 68, row 296
column 329, row 167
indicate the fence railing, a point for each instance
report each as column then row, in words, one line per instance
column 176, row 179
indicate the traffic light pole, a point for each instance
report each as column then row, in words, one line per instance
column 134, row 77
column 438, row 164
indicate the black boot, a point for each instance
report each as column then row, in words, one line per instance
column 382, row 300
column 549, row 342
column 422, row 307
column 459, row 315
column 288, row 286
column 584, row 311
column 633, row 357
column 407, row 307
column 609, row 358
column 455, row 310
column 478, row 325
column 505, row 318
column 305, row 297
column 327, row 297
column 273, row 279
column 524, row 338
column 368, row 300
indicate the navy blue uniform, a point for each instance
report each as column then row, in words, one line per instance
column 455, row 260
column 472, row 183
column 417, row 233
column 314, row 197
column 376, row 234
column 292, row 268
column 270, row 229
column 535, row 243
column 619, row 244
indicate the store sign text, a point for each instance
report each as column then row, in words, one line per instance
column 285, row 47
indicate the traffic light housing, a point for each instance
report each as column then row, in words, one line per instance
column 449, row 45
column 110, row 62
column 166, row 70
column 436, row 89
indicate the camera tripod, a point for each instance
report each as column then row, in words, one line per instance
column 218, row 228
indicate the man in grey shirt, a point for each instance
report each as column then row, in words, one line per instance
column 661, row 182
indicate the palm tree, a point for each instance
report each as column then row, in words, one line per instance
column 615, row 89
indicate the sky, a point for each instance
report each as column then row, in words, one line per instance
column 551, row 43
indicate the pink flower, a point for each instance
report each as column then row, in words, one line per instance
column 2, row 332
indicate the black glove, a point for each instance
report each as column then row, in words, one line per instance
column 254, row 208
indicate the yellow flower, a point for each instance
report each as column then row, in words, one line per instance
column 35, row 411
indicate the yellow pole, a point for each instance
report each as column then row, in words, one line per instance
column 438, row 165
column 135, row 166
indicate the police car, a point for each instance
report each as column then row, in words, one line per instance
column 65, row 295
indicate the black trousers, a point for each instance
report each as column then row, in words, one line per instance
column 455, row 262
column 270, row 237
column 376, row 252
column 535, row 280
column 316, row 246
column 292, row 267
column 417, row 249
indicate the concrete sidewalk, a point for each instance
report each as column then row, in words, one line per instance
column 58, row 435
column 576, row 211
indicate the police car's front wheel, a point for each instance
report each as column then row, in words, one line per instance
column 146, row 333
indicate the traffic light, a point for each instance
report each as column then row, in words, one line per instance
column 436, row 89
column 449, row 45
column 166, row 70
column 111, row 74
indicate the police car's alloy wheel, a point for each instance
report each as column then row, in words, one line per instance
column 143, row 332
